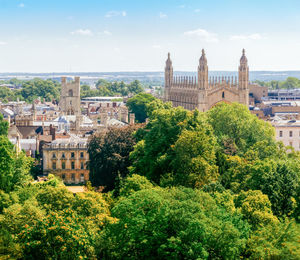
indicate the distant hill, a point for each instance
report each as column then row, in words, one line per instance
column 151, row 78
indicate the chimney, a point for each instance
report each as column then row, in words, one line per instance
column 52, row 132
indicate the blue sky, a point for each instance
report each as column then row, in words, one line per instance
column 90, row 35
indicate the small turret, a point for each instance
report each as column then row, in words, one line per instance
column 203, row 72
column 243, row 72
column 168, row 76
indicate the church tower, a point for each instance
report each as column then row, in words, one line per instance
column 70, row 97
column 243, row 80
column 202, row 83
column 168, row 77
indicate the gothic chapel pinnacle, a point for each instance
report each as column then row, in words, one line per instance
column 204, row 92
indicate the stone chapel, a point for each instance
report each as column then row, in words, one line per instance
column 204, row 92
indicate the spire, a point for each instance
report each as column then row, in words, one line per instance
column 243, row 59
column 203, row 60
column 203, row 72
column 168, row 61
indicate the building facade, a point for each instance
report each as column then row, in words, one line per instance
column 288, row 132
column 204, row 92
column 67, row 158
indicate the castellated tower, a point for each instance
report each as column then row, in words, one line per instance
column 168, row 77
column 202, row 82
column 243, row 79
column 70, row 97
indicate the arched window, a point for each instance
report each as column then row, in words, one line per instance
column 223, row 94
column 70, row 93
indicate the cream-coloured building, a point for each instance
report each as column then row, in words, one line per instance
column 288, row 132
column 204, row 92
column 67, row 158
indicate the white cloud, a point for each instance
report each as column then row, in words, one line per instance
column 3, row 43
column 241, row 37
column 181, row 6
column 162, row 15
column 156, row 46
column 197, row 10
column 21, row 5
column 83, row 32
column 203, row 35
column 116, row 49
column 106, row 32
column 115, row 13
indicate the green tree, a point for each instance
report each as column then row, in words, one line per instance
column 138, row 105
column 109, row 155
column 234, row 124
column 57, row 236
column 175, row 223
column 134, row 183
column 3, row 126
column 14, row 168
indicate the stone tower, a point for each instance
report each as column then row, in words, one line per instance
column 202, row 82
column 243, row 80
column 168, row 77
column 70, row 97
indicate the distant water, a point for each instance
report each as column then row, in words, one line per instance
column 154, row 77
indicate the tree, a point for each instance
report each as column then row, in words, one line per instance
column 194, row 160
column 177, row 223
column 14, row 168
column 233, row 123
column 59, row 236
column 3, row 126
column 138, row 105
column 109, row 155
column 135, row 87
column 134, row 183
column 256, row 208
column 278, row 240
column 162, row 156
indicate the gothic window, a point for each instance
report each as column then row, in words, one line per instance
column 72, row 165
column 63, row 176
column 70, row 93
column 72, row 155
column 223, row 94
column 63, row 165
column 81, row 155
column 280, row 133
column 53, row 155
column 81, row 165
column 54, row 165
column 73, row 176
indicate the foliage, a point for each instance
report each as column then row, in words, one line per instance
column 14, row 168
column 57, row 236
column 256, row 208
column 275, row 241
column 109, row 155
column 138, row 105
column 173, row 224
column 178, row 148
column 289, row 83
column 234, row 125
column 3, row 126
column 46, row 89
column 134, row 183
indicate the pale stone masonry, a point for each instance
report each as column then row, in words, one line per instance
column 69, row 103
column 204, row 92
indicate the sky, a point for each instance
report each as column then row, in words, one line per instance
column 121, row 35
